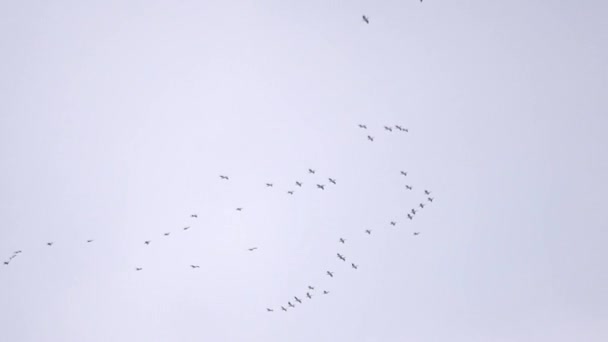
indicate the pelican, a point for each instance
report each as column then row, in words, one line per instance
column 49, row 243
column 430, row 199
column 427, row 192
column 283, row 308
column 167, row 234
column 325, row 292
column 195, row 266
column 409, row 216
column 416, row 233
column 388, row 128
column 138, row 269
column 239, row 209
column 89, row 241
column 186, row 228
column 289, row 303
column 421, row 205
column 311, row 287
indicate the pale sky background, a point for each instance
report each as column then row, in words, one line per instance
column 116, row 118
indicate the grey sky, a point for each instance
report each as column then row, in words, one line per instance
column 116, row 119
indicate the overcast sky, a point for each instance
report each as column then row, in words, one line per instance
column 117, row 118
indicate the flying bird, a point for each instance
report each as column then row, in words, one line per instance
column 370, row 138
column 354, row 266
column 138, row 269
column 290, row 192
column 298, row 183
column 430, row 199
column 298, row 299
column 6, row 262
column 416, row 233
column 388, row 128
column 409, row 187
column 369, row 232
column 147, row 242
column 311, row 171
column 365, row 19
column 167, row 234
column 311, row 287
column 320, row 186
column 269, row 185
column 17, row 252
column 332, row 181
column 409, row 216
column 342, row 240
column 224, row 177
column 308, row 295
column 393, row 223
column 325, row 292
column 427, row 192
column 362, row 126
column 283, row 308
column 195, row 266
column 331, row 274
column 194, row 215
column 252, row 249
column 186, row 228
column 421, row 205
column 49, row 243
column 289, row 303
column 404, row 173
column 239, row 209
column 269, row 310
column 341, row 257
column 414, row 211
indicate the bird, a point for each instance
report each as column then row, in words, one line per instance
column 416, row 233
column 269, row 310
column 6, row 262
column 393, row 223
column 167, row 234
column 430, row 199
column 332, row 181
column 17, row 252
column 283, row 308
column 362, row 126
column 342, row 240
column 409, row 187
column 239, row 209
column 195, row 266
column 138, row 268
column 49, row 243
column 321, row 186
column 269, row 185
column 289, row 303
column 308, row 295
column 354, row 266
column 421, row 205
column 147, row 242
column 299, row 183
column 331, row 274
column 186, row 228
column 369, row 232
column 325, row 292
column 409, row 216
column 370, row 138
column 224, row 177
column 365, row 19
column 311, row 287
column 414, row 211
column 290, row 192
column 388, row 128
column 427, row 192
column 404, row 173
column 341, row 257
column 252, row 249
column 194, row 215
column 311, row 171
column 298, row 299
column 399, row 127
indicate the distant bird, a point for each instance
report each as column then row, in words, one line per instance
column 393, row 223
column 147, row 242
column 289, row 303
column 269, row 185
column 311, row 287
column 320, row 186
column 6, row 262
column 332, row 181
column 252, row 249
column 298, row 183
column 283, row 308
column 298, row 300
column 427, row 192
column 311, row 171
column 416, row 233
column 89, row 241
column 369, row 232
column 365, row 19
column 194, row 215
column 239, row 209
column 342, row 240
column 362, row 126
column 430, row 199
column 401, row 128
column 370, row 138
column 341, row 257
column 404, row 173
column 331, row 274
column 195, row 266
column 388, row 128
column 414, row 211
column 186, row 228
column 308, row 295
column 290, row 192
column 167, row 234
column 409, row 187
column 17, row 252
column 354, row 266
column 325, row 292
column 138, row 269
column 409, row 216
column 269, row 310
column 49, row 243
column 421, row 205
column 224, row 177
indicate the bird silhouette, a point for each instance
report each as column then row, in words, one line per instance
column 365, row 19
column 166, row 234
column 427, row 192
column 416, row 233
column 269, row 310
column 409, row 216
column 370, row 138
column 421, row 205
column 311, row 287
column 341, row 257
column 369, row 232
column 17, row 252
column 186, row 228
column 138, row 268
column 289, row 303
column 298, row 300
column 299, row 184
column 430, row 199
column 147, row 242
column 413, row 211
column 325, row 292
column 388, row 128
column 6, row 262
column 290, row 192
column 354, row 266
column 320, row 186
column 224, row 177
column 49, row 243
column 311, row 171
column 409, row 187
column 393, row 223
column 333, row 181
column 308, row 295
column 239, row 209
column 283, row 308
column 195, row 266
column 342, row 240
column 362, row 126
column 194, row 215
column 269, row 185
column 252, row 249
column 89, row 241
column 404, row 173
column 331, row 274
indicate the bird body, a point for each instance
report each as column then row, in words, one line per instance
column 342, row 240
column 365, row 19
column 341, row 257
column 354, row 266
column 321, row 186
column 333, row 181
column 331, row 274
column 299, row 184
column 370, row 138
column 369, row 232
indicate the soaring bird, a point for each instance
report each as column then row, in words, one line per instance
column 399, row 127
column 89, row 241
column 299, row 183
column 252, row 249
column 311, row 287
column 194, row 215
column 17, row 252
column 333, row 181
column 269, row 185
column 289, row 303
column 362, row 126
column 421, row 205
column 342, row 240
column 369, row 232
column 325, row 292
column 430, row 199
column 167, row 234
column 370, row 138
column 416, row 233
column 239, row 209
column 195, row 266
column 331, row 274
column 224, row 177
column 354, row 266
column 404, row 173
column 409, row 216
column 6, row 262
column 49, row 243
column 409, row 187
column 147, row 242
column 427, row 192
column 186, row 228
column 388, row 128
column 320, row 186
column 414, row 211
column 138, row 269
column 393, row 223
column 269, row 310
column 341, row 257
column 365, row 19
column 298, row 299
column 283, row 308
column 311, row 171
column 290, row 192
column 308, row 295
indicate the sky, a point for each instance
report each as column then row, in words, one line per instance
column 117, row 118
